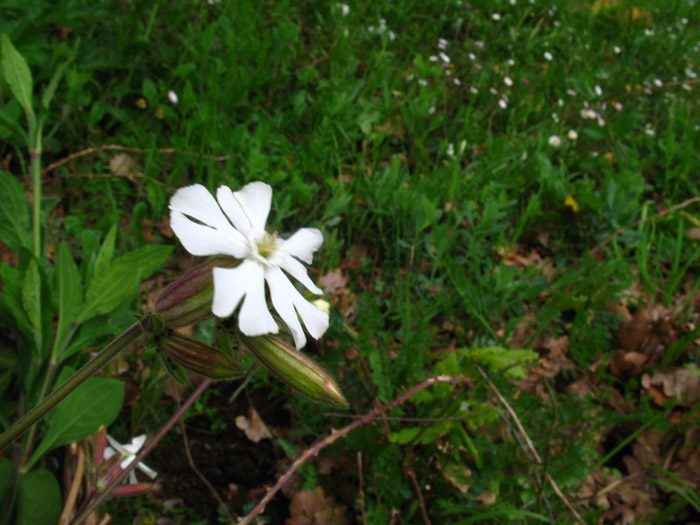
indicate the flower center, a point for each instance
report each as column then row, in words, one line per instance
column 267, row 245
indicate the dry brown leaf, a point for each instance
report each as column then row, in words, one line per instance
column 310, row 507
column 627, row 364
column 681, row 383
column 333, row 283
column 122, row 165
column 488, row 497
column 253, row 426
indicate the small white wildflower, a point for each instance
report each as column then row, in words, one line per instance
column 508, row 82
column 344, row 9
column 392, row 36
column 479, row 44
column 463, row 406
column 503, row 103
column 493, row 91
column 433, row 58
column 444, row 57
column 442, row 43
column 548, row 56
column 456, row 82
column 560, row 102
column 572, row 134
column 571, row 92
column 172, row 96
column 473, row 90
column 555, row 117
column 598, row 90
column 471, row 56
column 554, row 141
column 617, row 50
column 450, row 150
column 684, row 21
column 462, row 146
column 496, row 17
column 422, row 82
column 431, row 110
column 510, row 62
column 601, row 121
column 658, row 82
column 128, row 454
column 649, row 32
column 649, row 130
column 617, row 106
column 686, row 87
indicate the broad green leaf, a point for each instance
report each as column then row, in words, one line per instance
column 108, row 289
column 53, row 84
column 148, row 259
column 11, row 296
column 96, row 402
column 15, row 223
column 39, row 499
column 405, row 435
column 31, row 300
column 511, row 361
column 70, row 294
column 16, row 73
column 7, row 471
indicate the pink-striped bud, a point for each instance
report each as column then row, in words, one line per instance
column 198, row 357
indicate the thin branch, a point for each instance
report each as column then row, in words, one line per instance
column 362, row 490
column 423, row 511
column 337, row 434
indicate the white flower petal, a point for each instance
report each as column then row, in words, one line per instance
column 136, row 444
column 203, row 240
column 248, row 208
column 297, row 270
column 303, row 244
column 127, row 461
column 285, row 299
column 147, row 470
column 109, row 452
column 198, row 203
column 245, row 282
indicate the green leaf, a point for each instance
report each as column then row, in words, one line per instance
column 511, row 361
column 17, row 74
column 108, row 290
column 94, row 403
column 106, row 253
column 53, row 84
column 405, row 435
column 11, row 296
column 31, row 300
column 15, row 224
column 148, row 259
column 70, row 294
column 7, row 472
column 39, row 499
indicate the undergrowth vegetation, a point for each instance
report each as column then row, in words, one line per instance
column 508, row 192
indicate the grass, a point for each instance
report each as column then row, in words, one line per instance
column 456, row 222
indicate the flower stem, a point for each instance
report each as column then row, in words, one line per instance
column 40, row 410
column 35, row 166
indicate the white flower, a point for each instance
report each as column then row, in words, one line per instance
column 128, row 455
column 598, row 90
column 172, row 96
column 572, row 134
column 344, row 9
column 496, row 16
column 457, row 82
column 444, row 57
column 658, row 82
column 554, row 141
column 234, row 224
column 508, row 82
column 548, row 56
column 503, row 103
column 617, row 50
column 442, row 43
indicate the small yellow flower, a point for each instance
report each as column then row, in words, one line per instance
column 628, row 87
column 570, row 202
column 159, row 113
column 141, row 103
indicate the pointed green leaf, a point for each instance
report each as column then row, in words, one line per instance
column 39, row 499
column 53, row 84
column 148, row 259
column 70, row 294
column 16, row 73
column 11, row 296
column 109, row 289
column 15, row 224
column 106, row 253
column 31, row 300
column 96, row 402
column 511, row 361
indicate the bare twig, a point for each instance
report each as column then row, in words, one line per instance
column 197, row 471
column 423, row 511
column 74, row 487
column 530, row 446
column 337, row 434
column 362, row 490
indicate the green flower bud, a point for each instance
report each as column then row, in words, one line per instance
column 296, row 369
column 188, row 300
column 198, row 357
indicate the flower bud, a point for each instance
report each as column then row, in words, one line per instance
column 199, row 357
column 188, row 300
column 296, row 369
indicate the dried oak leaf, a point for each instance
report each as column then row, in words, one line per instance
column 122, row 165
column 681, row 383
column 310, row 507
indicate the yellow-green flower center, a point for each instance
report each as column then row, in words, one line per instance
column 267, row 245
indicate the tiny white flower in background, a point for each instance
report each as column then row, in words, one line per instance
column 508, row 82
column 448, row 72
column 572, row 134
column 471, row 56
column 473, row 90
column 450, row 150
column 571, row 92
column 649, row 32
column 172, row 96
column 690, row 73
column 431, row 110
column 560, row 102
column 617, row 50
column 457, row 82
column 684, row 21
column 496, row 17
column 554, row 141
column 503, row 103
column 555, row 117
column 463, row 406
column 410, row 76
column 442, row 43
column 433, row 58
column 444, row 57
column 462, row 146
column 392, row 36
column 479, row 44
column 422, row 82
column 658, row 82
column 686, row 87
column 598, row 90
column 510, row 62
column 548, row 56
column 344, row 9
column 601, row 121
column 512, row 2
column 557, row 23
column 649, row 130
column 234, row 224
column 127, row 454
column 370, row 29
